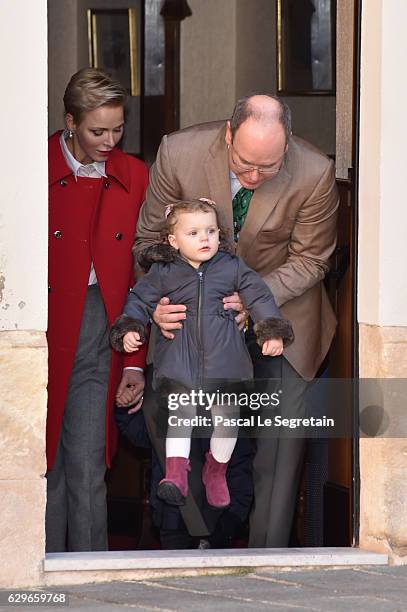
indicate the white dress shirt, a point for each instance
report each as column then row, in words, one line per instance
column 94, row 170
column 234, row 183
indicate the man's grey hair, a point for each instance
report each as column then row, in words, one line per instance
column 244, row 110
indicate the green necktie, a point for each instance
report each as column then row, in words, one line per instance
column 241, row 203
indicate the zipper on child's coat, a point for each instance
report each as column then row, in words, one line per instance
column 199, row 329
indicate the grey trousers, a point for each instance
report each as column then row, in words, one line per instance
column 278, row 461
column 76, row 517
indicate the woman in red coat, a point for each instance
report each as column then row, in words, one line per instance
column 95, row 193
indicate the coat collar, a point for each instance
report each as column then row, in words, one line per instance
column 164, row 253
column 117, row 166
column 58, row 169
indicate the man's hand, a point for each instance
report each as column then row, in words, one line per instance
column 168, row 316
column 130, row 390
column 234, row 301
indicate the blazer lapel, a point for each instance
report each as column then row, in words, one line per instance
column 263, row 201
column 217, row 173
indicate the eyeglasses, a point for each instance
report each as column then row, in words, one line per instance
column 242, row 168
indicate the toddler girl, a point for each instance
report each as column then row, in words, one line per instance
column 194, row 267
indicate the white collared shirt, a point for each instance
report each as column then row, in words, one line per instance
column 93, row 170
column 234, row 183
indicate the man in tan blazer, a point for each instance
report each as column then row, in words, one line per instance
column 288, row 236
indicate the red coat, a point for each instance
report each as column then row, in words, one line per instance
column 89, row 220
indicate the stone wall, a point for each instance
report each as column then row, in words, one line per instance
column 383, row 461
column 382, row 290
column 23, row 379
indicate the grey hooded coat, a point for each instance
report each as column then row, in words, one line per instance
column 209, row 346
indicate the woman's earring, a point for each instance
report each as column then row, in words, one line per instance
column 70, row 134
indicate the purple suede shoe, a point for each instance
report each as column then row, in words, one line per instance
column 214, row 479
column 173, row 489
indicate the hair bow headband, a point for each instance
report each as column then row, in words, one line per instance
column 170, row 207
column 208, row 201
column 168, row 210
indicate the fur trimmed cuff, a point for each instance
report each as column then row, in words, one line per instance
column 121, row 326
column 156, row 253
column 272, row 328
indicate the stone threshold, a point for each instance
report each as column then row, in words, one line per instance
column 206, row 559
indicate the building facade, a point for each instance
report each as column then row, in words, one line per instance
column 381, row 294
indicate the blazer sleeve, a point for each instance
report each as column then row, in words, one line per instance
column 163, row 189
column 312, row 242
column 262, row 307
column 255, row 294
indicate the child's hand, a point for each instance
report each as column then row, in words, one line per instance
column 131, row 342
column 272, row 347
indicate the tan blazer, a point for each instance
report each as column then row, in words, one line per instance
column 289, row 233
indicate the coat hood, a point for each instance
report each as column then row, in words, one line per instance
column 164, row 253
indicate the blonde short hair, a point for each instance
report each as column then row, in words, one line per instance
column 91, row 88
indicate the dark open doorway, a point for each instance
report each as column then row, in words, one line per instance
column 331, row 468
